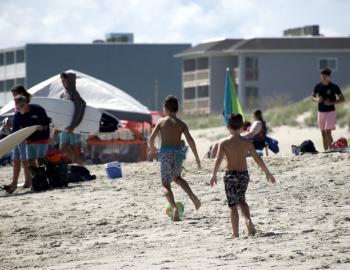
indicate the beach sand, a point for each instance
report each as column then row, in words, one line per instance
column 303, row 221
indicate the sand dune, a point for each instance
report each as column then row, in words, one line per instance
column 286, row 136
column 303, row 221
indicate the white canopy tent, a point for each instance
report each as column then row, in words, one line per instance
column 96, row 93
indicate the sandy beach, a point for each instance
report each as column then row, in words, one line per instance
column 303, row 221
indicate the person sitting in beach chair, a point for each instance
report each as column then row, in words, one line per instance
column 257, row 132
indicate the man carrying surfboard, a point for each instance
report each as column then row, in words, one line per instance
column 70, row 143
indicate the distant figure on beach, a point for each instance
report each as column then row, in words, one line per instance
column 327, row 95
column 212, row 151
column 70, row 143
column 236, row 179
column 171, row 154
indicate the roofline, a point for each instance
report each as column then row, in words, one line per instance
column 109, row 44
column 204, row 54
column 12, row 48
column 233, row 52
column 290, row 51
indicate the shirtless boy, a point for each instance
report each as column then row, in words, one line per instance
column 236, row 179
column 171, row 153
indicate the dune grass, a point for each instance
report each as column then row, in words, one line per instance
column 288, row 114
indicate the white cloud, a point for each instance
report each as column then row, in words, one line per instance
column 161, row 21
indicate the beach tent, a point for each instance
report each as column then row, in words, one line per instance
column 96, row 93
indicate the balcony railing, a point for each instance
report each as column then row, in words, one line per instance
column 195, row 78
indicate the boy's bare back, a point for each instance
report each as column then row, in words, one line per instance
column 236, row 149
column 171, row 129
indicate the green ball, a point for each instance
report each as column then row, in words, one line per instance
column 169, row 210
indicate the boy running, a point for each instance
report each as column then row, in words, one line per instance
column 171, row 153
column 236, row 179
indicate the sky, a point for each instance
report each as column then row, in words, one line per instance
column 164, row 21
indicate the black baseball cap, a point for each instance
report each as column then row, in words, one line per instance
column 326, row 71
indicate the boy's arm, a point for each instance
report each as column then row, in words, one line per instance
column 340, row 99
column 153, row 137
column 192, row 145
column 219, row 158
column 315, row 96
column 261, row 163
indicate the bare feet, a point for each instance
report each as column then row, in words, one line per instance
column 11, row 188
column 176, row 215
column 197, row 203
column 251, row 228
column 235, row 235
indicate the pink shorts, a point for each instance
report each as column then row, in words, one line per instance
column 326, row 120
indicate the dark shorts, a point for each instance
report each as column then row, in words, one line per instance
column 236, row 184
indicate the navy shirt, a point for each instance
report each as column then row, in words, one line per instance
column 330, row 92
column 35, row 116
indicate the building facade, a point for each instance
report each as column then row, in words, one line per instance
column 148, row 72
column 265, row 70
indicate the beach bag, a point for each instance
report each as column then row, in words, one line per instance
column 272, row 144
column 305, row 147
column 340, row 143
column 78, row 174
column 57, row 174
column 39, row 179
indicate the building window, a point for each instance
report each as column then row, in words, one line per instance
column 331, row 63
column 2, row 86
column 251, row 94
column 251, row 68
column 9, row 58
column 9, row 84
column 20, row 56
column 2, row 59
column 189, row 65
column 20, row 81
column 202, row 63
column 203, row 91
column 190, row 93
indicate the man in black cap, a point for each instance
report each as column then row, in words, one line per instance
column 327, row 95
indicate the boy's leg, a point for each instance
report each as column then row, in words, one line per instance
column 168, row 193
column 234, row 220
column 329, row 138
column 186, row 187
column 65, row 139
column 15, row 175
column 27, row 174
column 248, row 221
column 324, row 140
column 19, row 153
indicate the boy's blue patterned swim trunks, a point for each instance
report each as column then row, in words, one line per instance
column 171, row 159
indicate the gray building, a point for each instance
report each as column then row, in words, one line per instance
column 148, row 72
column 264, row 69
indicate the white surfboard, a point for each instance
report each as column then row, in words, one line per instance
column 61, row 112
column 9, row 142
